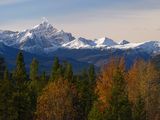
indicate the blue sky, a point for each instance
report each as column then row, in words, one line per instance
column 134, row 20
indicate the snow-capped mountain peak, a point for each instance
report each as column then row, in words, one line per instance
column 80, row 43
column 105, row 42
column 123, row 42
column 41, row 38
column 44, row 26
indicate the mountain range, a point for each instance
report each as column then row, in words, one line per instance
column 44, row 42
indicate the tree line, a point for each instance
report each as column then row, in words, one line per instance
column 114, row 93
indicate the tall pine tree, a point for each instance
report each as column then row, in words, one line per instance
column 34, row 84
column 43, row 81
column 92, row 82
column 68, row 74
column 85, row 86
column 91, row 73
column 34, row 70
column 6, row 102
column 21, row 93
column 34, row 78
column 19, row 74
column 2, row 67
column 56, row 70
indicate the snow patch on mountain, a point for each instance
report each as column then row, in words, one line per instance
column 105, row 42
column 150, row 46
column 80, row 43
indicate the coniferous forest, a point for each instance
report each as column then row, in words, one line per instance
column 113, row 93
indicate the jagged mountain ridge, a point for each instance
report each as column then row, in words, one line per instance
column 41, row 38
column 44, row 42
column 44, row 38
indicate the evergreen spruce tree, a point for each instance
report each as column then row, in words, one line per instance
column 91, row 87
column 64, row 67
column 34, row 79
column 119, row 106
column 37, row 83
column 92, row 82
column 56, row 70
column 91, row 74
column 34, row 70
column 19, row 74
column 2, row 67
column 21, row 97
column 68, row 74
column 43, row 81
column 81, row 84
column 86, row 91
column 34, row 84
column 6, row 103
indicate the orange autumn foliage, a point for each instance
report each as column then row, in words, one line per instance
column 56, row 102
column 104, row 81
column 136, row 80
column 142, row 81
column 140, row 77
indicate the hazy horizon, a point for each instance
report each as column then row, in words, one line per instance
column 134, row 20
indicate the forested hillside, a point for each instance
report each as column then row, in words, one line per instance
column 114, row 93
